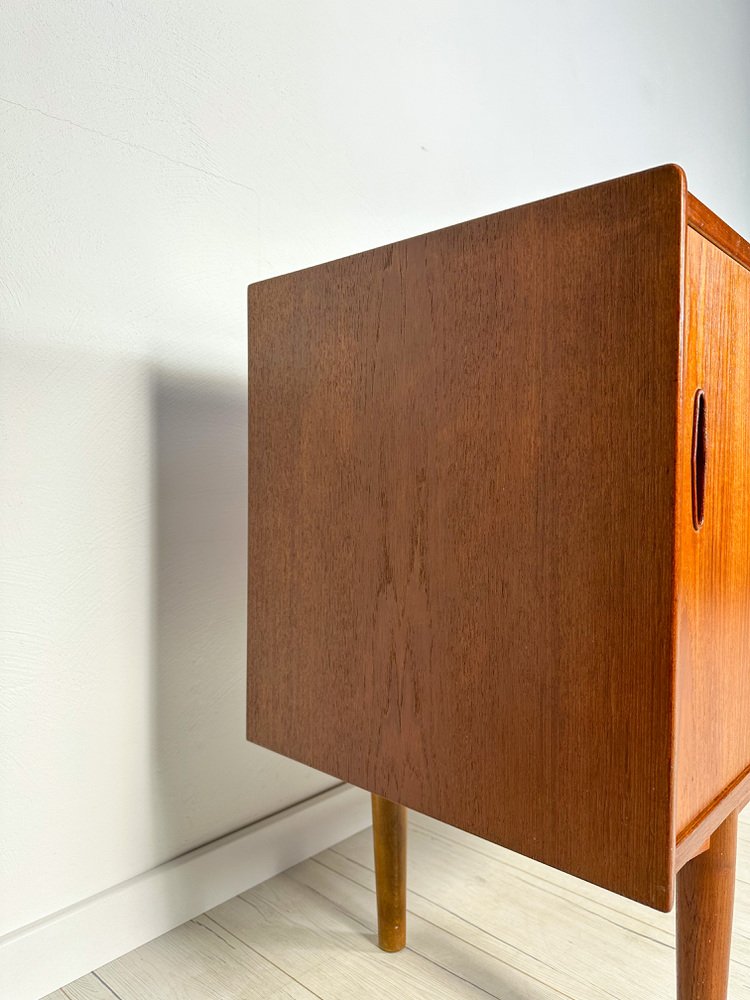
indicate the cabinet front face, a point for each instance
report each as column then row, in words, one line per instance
column 713, row 645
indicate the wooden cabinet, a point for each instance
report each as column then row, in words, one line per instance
column 499, row 538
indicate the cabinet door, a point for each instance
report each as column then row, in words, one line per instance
column 713, row 640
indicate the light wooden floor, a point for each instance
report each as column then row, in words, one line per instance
column 482, row 923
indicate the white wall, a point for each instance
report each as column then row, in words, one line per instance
column 157, row 157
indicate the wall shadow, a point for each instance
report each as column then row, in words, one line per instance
column 199, row 502
column 207, row 780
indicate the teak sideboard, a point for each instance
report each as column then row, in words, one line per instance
column 499, row 541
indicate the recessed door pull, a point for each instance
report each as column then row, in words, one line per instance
column 699, row 456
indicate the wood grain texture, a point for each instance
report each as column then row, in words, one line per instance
column 462, row 491
column 716, row 231
column 713, row 679
column 207, row 964
column 389, row 824
column 86, row 988
column 330, row 948
column 705, row 906
column 730, row 800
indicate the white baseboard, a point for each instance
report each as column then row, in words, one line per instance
column 51, row 952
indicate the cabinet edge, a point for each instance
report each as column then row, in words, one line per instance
column 734, row 797
column 716, row 231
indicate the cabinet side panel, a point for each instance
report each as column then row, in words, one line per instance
column 462, row 487
column 714, row 591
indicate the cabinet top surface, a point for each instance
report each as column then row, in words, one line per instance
column 698, row 216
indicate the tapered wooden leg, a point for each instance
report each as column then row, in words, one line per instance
column 705, row 901
column 389, row 838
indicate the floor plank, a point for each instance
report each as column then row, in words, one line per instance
column 482, row 923
column 89, row 987
column 329, row 949
column 198, row 961
column 467, row 950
